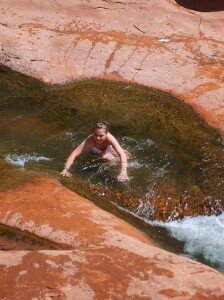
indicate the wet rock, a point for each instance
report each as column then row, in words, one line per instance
column 108, row 257
column 38, row 206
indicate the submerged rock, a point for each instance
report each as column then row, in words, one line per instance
column 176, row 50
column 177, row 161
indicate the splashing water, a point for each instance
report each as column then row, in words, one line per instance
column 203, row 237
column 169, row 171
column 21, row 160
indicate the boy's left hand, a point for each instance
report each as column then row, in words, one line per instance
column 122, row 177
column 65, row 173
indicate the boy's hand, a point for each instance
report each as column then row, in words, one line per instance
column 65, row 173
column 122, row 177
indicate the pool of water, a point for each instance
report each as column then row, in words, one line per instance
column 176, row 167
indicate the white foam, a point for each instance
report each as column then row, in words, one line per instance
column 203, row 237
column 134, row 164
column 21, row 160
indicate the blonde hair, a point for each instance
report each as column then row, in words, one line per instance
column 101, row 125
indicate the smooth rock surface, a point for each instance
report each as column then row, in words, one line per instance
column 159, row 44
column 47, row 209
column 109, row 259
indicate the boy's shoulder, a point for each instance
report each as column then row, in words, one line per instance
column 110, row 137
column 89, row 138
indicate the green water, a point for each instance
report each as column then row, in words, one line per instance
column 177, row 163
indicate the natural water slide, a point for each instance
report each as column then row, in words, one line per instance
column 175, row 192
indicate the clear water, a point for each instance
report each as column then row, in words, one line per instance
column 176, row 165
column 22, row 159
column 202, row 237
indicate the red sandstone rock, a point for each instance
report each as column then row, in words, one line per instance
column 154, row 43
column 110, row 260
column 47, row 209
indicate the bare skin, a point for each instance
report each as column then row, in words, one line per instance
column 100, row 139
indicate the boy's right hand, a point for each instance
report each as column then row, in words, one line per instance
column 65, row 173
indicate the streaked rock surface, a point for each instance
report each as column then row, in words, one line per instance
column 154, row 43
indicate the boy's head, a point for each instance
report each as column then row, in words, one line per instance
column 100, row 130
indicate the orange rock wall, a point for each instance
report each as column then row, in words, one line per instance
column 155, row 43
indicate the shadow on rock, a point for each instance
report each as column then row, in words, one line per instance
column 203, row 6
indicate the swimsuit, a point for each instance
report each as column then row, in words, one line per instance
column 95, row 150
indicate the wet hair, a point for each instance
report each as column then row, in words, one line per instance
column 101, row 125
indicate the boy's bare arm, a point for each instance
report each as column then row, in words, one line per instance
column 123, row 171
column 78, row 150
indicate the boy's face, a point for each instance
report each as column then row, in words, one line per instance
column 99, row 135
